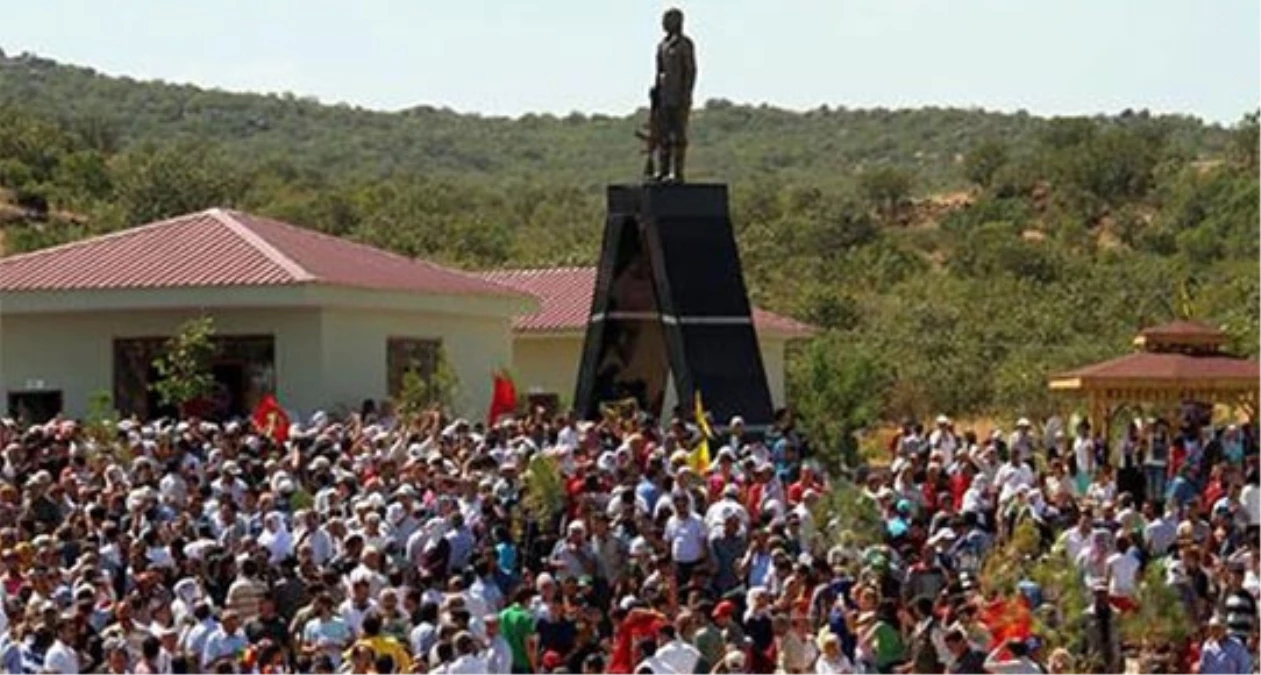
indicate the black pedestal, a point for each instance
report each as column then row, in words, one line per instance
column 670, row 300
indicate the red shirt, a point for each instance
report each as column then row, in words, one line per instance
column 637, row 625
column 797, row 490
column 959, row 484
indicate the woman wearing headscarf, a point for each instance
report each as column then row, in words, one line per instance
column 276, row 537
column 187, row 594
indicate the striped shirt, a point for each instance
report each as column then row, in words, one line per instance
column 244, row 597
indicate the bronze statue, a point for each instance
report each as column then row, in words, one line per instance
column 671, row 102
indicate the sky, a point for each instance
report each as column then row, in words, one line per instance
column 509, row 57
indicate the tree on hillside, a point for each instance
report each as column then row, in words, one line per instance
column 886, row 190
column 983, row 163
column 1245, row 142
column 155, row 182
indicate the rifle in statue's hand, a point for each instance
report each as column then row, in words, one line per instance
column 650, row 134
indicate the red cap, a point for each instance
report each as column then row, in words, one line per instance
column 725, row 608
column 552, row 660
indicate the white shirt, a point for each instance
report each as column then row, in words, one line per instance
column 468, row 664
column 498, row 657
column 1011, row 477
column 61, row 658
column 945, row 443
column 1123, row 570
column 718, row 513
column 1250, row 500
column 1084, row 451
column 687, row 538
column 567, row 437
column 483, row 598
column 656, row 665
column 353, row 616
column 679, row 656
column 841, row 667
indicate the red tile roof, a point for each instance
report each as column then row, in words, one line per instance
column 1161, row 366
column 219, row 247
column 1183, row 328
column 565, row 294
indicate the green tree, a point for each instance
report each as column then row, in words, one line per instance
column 102, row 419
column 837, row 391
column 886, row 189
column 155, row 182
column 184, row 366
column 544, row 495
column 1245, row 142
column 984, row 162
column 422, row 391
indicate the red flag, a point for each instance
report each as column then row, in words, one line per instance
column 504, row 399
column 1008, row 619
column 271, row 420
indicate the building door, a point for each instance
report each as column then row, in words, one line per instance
column 34, row 407
column 230, row 390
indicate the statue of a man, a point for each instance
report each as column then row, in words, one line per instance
column 676, row 76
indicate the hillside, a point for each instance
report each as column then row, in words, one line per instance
column 952, row 257
column 732, row 142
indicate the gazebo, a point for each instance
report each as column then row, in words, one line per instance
column 1175, row 363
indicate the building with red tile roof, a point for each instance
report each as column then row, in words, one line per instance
column 319, row 320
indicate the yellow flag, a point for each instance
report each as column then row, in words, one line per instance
column 699, row 459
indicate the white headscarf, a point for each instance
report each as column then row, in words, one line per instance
column 280, row 541
column 187, row 593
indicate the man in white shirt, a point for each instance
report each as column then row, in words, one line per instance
column 729, row 505
column 943, row 440
column 1250, row 499
column 1012, row 476
column 687, row 535
column 1084, row 450
column 1074, row 541
column 498, row 653
column 1123, row 569
column 677, row 655
column 61, row 657
column 467, row 661
column 1020, row 443
column 483, row 595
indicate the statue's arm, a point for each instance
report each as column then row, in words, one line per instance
column 689, row 67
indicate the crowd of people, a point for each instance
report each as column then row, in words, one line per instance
column 545, row 544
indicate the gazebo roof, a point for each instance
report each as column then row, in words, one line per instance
column 1154, row 369
column 1182, row 360
column 1181, row 334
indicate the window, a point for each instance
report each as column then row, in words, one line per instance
column 243, row 369
column 34, row 407
column 548, row 401
column 409, row 354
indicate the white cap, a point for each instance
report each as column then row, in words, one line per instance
column 942, row 419
column 1023, row 422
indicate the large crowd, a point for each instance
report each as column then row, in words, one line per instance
column 369, row 544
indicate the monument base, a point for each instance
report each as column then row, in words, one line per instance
column 670, row 301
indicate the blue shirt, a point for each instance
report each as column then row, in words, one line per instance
column 10, row 655
column 649, row 492
column 1227, row 656
column 1180, row 490
column 507, row 557
column 220, row 644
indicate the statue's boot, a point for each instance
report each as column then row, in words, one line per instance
column 676, row 168
column 663, row 163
